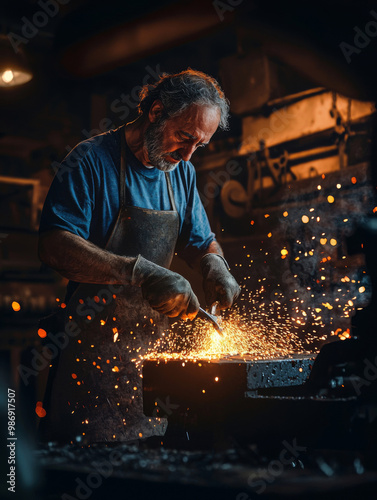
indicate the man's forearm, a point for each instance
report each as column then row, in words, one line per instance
column 80, row 260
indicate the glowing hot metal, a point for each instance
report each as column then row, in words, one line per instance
column 212, row 318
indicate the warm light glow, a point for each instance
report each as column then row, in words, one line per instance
column 41, row 412
column 330, row 199
column 333, row 242
column 42, row 333
column 16, row 306
column 242, row 336
column 305, row 219
column 7, row 76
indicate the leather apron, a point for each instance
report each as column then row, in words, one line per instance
column 95, row 387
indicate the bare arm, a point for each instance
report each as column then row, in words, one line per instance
column 80, row 260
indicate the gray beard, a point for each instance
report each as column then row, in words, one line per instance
column 152, row 143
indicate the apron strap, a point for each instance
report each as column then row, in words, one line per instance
column 170, row 191
column 122, row 176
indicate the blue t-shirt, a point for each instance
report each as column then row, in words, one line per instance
column 84, row 195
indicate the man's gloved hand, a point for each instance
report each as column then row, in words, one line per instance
column 218, row 284
column 167, row 292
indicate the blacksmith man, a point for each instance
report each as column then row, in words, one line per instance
column 111, row 226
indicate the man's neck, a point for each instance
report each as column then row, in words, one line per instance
column 134, row 133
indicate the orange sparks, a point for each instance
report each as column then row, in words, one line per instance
column 266, row 216
column 63, row 305
column 325, row 259
column 353, row 180
column 42, row 333
column 344, row 335
column 74, row 375
column 242, row 336
column 16, row 306
column 252, row 223
column 39, row 410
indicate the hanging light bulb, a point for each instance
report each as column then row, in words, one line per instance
column 13, row 66
column 7, row 76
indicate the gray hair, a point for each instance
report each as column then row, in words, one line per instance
column 180, row 90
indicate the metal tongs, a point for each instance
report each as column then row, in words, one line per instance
column 212, row 317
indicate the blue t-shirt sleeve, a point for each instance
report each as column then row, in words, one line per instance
column 196, row 234
column 70, row 200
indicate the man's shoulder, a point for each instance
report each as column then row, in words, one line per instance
column 96, row 147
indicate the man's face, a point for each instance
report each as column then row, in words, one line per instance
column 169, row 141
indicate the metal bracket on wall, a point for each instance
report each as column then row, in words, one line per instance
column 236, row 200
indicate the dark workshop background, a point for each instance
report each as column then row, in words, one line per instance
column 301, row 79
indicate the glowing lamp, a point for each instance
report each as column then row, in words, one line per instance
column 14, row 69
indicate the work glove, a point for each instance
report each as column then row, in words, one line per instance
column 218, row 284
column 167, row 292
